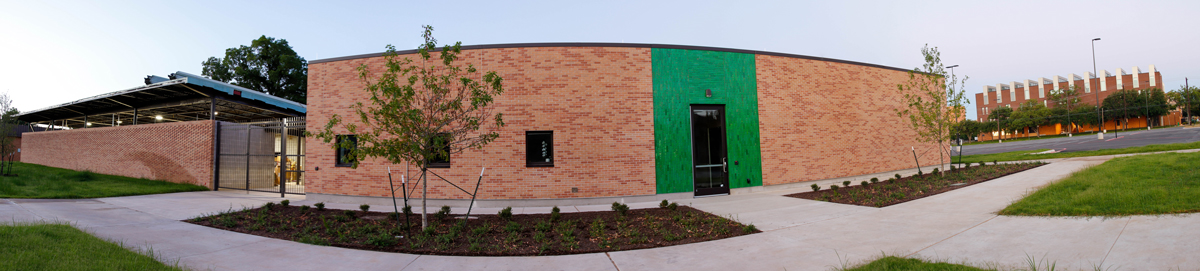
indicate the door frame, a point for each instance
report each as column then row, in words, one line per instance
column 692, row 157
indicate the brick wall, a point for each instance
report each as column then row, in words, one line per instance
column 598, row 102
column 178, row 152
column 823, row 120
column 16, row 143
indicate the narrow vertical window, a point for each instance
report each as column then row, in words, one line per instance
column 344, row 159
column 441, row 158
column 539, row 149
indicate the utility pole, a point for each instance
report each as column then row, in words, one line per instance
column 1099, row 114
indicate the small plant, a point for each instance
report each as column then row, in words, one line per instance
column 597, row 229
column 269, row 205
column 663, row 204
column 995, row 163
column 554, row 214
column 407, row 210
column 846, row 183
column 542, row 226
column 506, row 213
column 442, row 213
column 512, row 227
column 394, row 216
column 381, row 240
column 864, row 183
column 750, row 228
column 304, row 208
column 898, row 176
column 981, row 164
column 481, row 230
column 313, row 240
column 874, row 180
column 966, row 165
column 620, row 208
column 348, row 213
column 364, row 207
column 816, row 187
column 320, row 206
column 891, row 180
column 673, row 206
column 833, row 187
column 285, row 203
column 952, row 168
column 935, row 171
column 919, row 173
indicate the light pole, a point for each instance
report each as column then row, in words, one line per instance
column 1094, row 71
column 960, row 143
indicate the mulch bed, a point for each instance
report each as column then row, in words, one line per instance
column 903, row 189
column 484, row 235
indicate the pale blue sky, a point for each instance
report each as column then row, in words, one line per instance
column 53, row 52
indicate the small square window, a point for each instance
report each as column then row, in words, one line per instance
column 344, row 159
column 440, row 159
column 539, row 149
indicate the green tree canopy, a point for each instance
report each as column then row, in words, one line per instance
column 268, row 65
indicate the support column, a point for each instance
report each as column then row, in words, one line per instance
column 135, row 116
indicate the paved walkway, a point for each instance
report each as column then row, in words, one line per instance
column 799, row 234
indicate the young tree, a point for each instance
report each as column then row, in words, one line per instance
column 1001, row 118
column 934, row 100
column 1156, row 104
column 1063, row 102
column 421, row 111
column 8, row 123
column 1186, row 98
column 268, row 65
column 1085, row 114
column 1031, row 114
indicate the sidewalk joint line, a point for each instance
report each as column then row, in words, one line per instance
column 611, row 260
column 1110, row 248
column 951, row 236
column 411, row 262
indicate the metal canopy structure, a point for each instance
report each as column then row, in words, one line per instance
column 180, row 97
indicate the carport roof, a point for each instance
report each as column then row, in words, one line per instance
column 179, row 94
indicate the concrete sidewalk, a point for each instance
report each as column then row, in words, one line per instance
column 799, row 234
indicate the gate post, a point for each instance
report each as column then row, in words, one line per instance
column 283, row 161
column 216, row 177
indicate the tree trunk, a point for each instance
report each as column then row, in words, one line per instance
column 424, row 199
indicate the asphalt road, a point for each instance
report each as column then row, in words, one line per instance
column 1090, row 142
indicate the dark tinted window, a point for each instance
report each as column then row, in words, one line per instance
column 440, row 159
column 343, row 154
column 539, row 148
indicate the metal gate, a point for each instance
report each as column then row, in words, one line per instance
column 266, row 156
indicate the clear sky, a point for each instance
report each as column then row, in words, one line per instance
column 53, row 52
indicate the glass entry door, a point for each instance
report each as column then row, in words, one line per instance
column 710, row 166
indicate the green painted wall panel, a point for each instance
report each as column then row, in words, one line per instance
column 680, row 78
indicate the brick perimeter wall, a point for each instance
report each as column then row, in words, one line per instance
column 823, row 120
column 179, row 152
column 598, row 102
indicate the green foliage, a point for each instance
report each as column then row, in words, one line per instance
column 382, row 240
column 506, row 213
column 846, row 183
column 673, row 206
column 620, row 208
column 320, row 206
column 407, row 210
column 864, row 183
column 285, row 203
column 750, row 228
column 512, row 226
column 348, row 213
column 268, row 65
column 1126, row 104
column 304, row 208
column 934, row 100
column 555, row 215
column 898, row 263
column 442, row 213
column 364, row 207
column 874, row 180
column 420, row 111
column 269, row 205
column 898, row 176
column 816, row 187
column 663, row 204
column 833, row 187
column 1187, row 99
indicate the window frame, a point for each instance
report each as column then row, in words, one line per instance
column 528, row 146
column 339, row 153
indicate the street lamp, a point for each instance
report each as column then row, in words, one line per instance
column 1094, row 71
column 960, row 143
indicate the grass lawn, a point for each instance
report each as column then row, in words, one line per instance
column 38, row 181
column 897, row 263
column 1145, row 184
column 62, row 247
column 1022, row 155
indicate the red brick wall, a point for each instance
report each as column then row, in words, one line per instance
column 16, row 143
column 178, row 152
column 823, row 120
column 598, row 102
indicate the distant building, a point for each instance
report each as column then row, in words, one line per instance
column 1015, row 93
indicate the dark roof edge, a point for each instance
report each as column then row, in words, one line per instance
column 626, row 45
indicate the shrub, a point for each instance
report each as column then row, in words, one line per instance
column 673, row 206
column 304, row 208
column 554, row 214
column 874, row 180
column 381, row 240
column 919, row 172
column 394, row 216
column 891, row 180
column 442, row 213
column 285, row 203
column 320, row 206
column 846, row 183
column 834, row 187
column 981, row 164
column 864, row 183
column 620, row 208
column 994, row 162
column 750, row 228
column 816, row 187
column 348, row 213
column 506, row 213
column 935, row 170
column 512, row 227
column 898, row 176
column 269, row 205
column 543, row 226
column 966, row 165
column 663, row 204
column 364, row 207
column 952, row 168
column 407, row 210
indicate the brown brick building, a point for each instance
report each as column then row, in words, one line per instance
column 641, row 122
